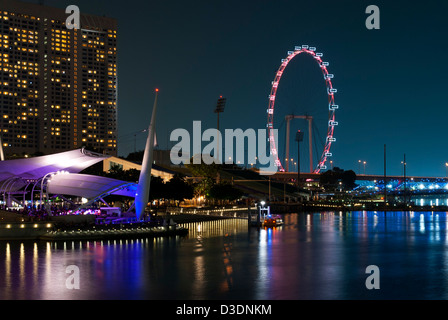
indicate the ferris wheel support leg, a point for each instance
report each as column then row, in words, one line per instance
column 310, row 142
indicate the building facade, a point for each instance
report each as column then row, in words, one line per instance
column 58, row 86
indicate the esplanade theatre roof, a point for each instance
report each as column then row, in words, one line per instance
column 35, row 168
column 62, row 173
column 88, row 186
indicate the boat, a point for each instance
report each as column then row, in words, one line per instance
column 273, row 221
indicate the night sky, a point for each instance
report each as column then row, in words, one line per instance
column 391, row 82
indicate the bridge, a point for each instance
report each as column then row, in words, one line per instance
column 419, row 184
column 288, row 176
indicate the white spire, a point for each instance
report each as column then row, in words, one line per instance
column 144, row 182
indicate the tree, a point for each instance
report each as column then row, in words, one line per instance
column 178, row 189
column 95, row 170
column 349, row 179
column 338, row 178
column 202, row 169
column 329, row 179
column 136, row 156
column 117, row 172
column 207, row 172
column 225, row 191
column 157, row 189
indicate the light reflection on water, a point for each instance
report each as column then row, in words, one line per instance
column 430, row 200
column 312, row 256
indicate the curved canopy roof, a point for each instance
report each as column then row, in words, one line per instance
column 89, row 186
column 35, row 168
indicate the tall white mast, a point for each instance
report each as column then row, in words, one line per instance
column 144, row 182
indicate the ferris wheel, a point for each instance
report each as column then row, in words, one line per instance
column 332, row 107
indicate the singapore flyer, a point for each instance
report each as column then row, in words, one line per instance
column 327, row 122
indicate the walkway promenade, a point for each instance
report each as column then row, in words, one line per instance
column 178, row 213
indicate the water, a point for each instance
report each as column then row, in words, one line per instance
column 313, row 256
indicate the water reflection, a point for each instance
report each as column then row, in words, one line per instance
column 216, row 228
column 264, row 262
column 312, row 256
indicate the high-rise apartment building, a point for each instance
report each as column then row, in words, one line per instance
column 58, row 86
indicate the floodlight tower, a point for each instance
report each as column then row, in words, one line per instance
column 219, row 108
column 288, row 118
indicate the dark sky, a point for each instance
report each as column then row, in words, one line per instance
column 391, row 82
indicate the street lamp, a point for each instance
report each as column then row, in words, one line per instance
column 364, row 167
column 359, row 166
column 446, row 167
column 404, row 178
